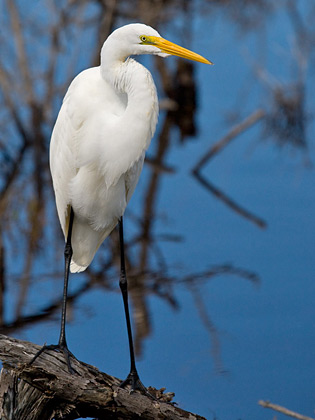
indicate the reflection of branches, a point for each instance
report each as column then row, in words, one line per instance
column 219, row 270
column 214, row 150
column 286, row 122
column 193, row 283
column 184, row 88
column 231, row 135
column 138, row 297
column 209, row 325
column 47, row 312
column 247, row 14
column 159, row 285
column 12, row 174
column 229, row 202
column 2, row 279
column 29, row 97
column 22, row 60
column 153, row 283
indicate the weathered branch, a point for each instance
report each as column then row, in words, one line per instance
column 45, row 390
column 284, row 410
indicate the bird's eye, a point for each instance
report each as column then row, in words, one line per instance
column 143, row 38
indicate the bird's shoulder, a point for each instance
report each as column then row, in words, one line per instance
column 89, row 101
column 89, row 92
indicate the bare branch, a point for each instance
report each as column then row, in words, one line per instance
column 46, row 390
column 283, row 410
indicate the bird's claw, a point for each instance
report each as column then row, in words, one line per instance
column 134, row 381
column 61, row 348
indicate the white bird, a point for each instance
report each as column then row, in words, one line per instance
column 98, row 144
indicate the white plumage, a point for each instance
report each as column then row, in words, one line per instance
column 103, row 129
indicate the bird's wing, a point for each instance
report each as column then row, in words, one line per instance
column 75, row 135
column 96, row 156
column 62, row 159
column 132, row 177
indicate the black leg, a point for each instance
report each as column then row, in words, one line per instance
column 62, row 344
column 133, row 377
column 68, row 255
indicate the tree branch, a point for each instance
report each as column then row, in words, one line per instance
column 284, row 410
column 45, row 390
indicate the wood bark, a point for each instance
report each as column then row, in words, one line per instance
column 46, row 390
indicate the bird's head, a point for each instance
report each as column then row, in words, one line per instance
column 137, row 38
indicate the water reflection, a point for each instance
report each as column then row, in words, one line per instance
column 30, row 239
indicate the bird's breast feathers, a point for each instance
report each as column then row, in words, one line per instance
column 99, row 138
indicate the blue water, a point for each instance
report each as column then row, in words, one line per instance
column 265, row 329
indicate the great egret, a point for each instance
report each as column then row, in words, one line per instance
column 97, row 149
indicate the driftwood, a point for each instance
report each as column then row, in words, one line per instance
column 46, row 390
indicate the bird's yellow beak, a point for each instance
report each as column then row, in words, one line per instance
column 174, row 49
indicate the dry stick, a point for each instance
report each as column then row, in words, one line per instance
column 215, row 149
column 283, row 410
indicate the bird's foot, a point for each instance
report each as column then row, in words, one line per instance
column 134, row 381
column 61, row 348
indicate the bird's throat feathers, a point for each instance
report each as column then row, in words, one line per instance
column 138, row 122
column 131, row 78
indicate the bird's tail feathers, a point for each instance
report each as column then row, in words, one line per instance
column 75, row 268
column 85, row 243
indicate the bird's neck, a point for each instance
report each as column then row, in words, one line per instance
column 134, row 80
column 136, row 125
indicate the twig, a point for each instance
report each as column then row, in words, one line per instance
column 283, row 410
